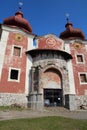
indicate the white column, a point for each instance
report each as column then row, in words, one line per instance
column 3, row 44
column 70, row 72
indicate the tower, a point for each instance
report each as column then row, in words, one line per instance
column 15, row 39
column 76, row 44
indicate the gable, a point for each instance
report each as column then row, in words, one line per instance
column 50, row 42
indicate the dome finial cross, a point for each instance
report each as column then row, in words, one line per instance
column 67, row 17
column 20, row 5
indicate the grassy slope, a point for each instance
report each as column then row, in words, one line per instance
column 44, row 123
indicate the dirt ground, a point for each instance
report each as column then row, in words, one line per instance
column 16, row 114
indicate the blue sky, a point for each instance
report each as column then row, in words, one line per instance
column 48, row 16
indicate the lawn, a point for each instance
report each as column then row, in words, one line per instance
column 44, row 123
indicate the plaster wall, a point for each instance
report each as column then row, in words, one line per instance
column 3, row 44
column 70, row 72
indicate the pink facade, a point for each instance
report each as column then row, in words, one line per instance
column 53, row 70
column 13, row 61
column 79, row 66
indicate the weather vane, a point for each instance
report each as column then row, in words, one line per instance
column 67, row 17
column 20, row 5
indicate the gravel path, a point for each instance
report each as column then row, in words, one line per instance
column 14, row 114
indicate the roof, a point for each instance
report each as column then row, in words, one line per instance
column 34, row 52
column 18, row 21
column 71, row 33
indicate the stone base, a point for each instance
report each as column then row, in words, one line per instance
column 74, row 102
column 81, row 101
column 35, row 101
column 7, row 99
column 70, row 102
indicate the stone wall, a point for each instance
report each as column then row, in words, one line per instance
column 81, row 100
column 70, row 102
column 7, row 99
column 74, row 102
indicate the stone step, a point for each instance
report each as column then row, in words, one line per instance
column 55, row 109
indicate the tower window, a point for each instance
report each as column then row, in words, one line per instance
column 79, row 58
column 17, row 51
column 83, row 78
column 14, row 74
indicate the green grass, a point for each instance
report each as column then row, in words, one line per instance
column 3, row 108
column 44, row 123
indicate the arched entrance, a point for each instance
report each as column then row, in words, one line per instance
column 52, row 87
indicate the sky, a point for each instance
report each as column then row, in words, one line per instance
column 48, row 16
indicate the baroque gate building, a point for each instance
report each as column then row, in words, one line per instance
column 38, row 71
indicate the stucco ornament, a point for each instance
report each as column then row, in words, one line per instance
column 51, row 42
column 77, row 45
column 18, row 37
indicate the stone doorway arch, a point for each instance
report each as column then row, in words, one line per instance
column 52, row 87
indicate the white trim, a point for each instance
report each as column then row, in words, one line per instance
column 70, row 72
column 82, row 83
column 17, row 30
column 28, row 77
column 3, row 44
column 14, row 80
column 30, row 44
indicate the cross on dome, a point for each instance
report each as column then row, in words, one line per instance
column 20, row 5
column 67, row 17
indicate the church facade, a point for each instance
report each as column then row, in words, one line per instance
column 39, row 71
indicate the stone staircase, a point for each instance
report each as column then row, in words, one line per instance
column 56, row 109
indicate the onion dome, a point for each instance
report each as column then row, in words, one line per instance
column 18, row 21
column 71, row 33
